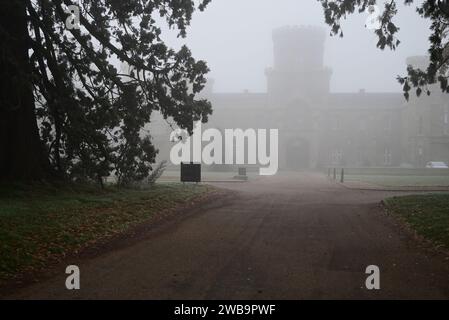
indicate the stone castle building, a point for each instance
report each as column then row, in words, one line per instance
column 319, row 128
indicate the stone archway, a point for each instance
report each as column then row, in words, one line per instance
column 298, row 155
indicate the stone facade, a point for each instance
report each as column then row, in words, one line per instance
column 318, row 128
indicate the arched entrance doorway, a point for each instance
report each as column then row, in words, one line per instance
column 298, row 155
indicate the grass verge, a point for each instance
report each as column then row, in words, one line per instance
column 401, row 181
column 428, row 215
column 43, row 224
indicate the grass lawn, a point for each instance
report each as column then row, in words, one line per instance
column 43, row 224
column 428, row 215
column 169, row 176
column 401, row 181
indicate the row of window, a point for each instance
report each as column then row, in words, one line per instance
column 386, row 124
column 337, row 156
column 445, row 124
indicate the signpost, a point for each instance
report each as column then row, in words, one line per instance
column 190, row 172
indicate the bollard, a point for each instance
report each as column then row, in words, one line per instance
column 342, row 180
column 335, row 173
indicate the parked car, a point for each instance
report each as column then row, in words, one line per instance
column 437, row 165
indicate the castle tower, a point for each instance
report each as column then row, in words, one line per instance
column 298, row 70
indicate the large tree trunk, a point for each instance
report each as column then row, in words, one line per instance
column 22, row 155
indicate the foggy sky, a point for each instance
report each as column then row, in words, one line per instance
column 235, row 38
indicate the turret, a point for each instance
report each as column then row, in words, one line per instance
column 298, row 48
column 298, row 70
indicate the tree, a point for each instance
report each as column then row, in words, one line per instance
column 437, row 11
column 65, row 109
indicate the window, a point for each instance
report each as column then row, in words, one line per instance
column 387, row 123
column 361, row 151
column 446, row 122
column 420, row 125
column 337, row 156
column 387, row 157
column 336, row 123
column 362, row 124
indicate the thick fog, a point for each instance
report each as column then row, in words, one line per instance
column 235, row 38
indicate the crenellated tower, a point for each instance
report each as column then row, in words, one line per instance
column 298, row 70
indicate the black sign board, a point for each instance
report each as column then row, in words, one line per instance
column 190, row 172
column 242, row 171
